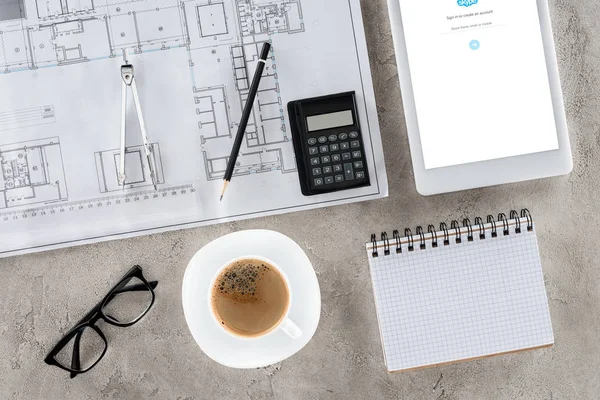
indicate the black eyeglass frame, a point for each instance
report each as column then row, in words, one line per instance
column 97, row 313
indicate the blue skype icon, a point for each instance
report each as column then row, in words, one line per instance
column 467, row 3
column 474, row 45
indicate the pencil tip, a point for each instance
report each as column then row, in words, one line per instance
column 225, row 183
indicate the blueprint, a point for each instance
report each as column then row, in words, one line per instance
column 60, row 112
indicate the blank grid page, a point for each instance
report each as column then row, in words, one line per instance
column 461, row 301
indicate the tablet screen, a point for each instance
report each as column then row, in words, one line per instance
column 479, row 78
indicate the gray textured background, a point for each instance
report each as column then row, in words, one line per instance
column 42, row 295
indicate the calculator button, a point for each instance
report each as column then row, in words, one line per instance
column 353, row 135
column 333, row 138
column 356, row 154
column 360, row 174
column 355, row 144
column 318, row 181
column 328, row 180
column 339, row 178
column 315, row 161
column 358, row 164
column 313, row 151
column 325, row 159
column 343, row 136
column 312, row 141
column 323, row 139
column 334, row 147
column 324, row 149
column 344, row 146
column 349, row 172
column 327, row 170
column 337, row 168
column 316, row 171
column 336, row 158
column 346, row 156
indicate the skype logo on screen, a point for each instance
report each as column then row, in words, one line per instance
column 467, row 3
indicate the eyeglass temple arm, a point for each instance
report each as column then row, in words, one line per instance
column 75, row 361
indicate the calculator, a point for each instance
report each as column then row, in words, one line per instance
column 328, row 143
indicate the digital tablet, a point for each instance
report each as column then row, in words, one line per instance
column 481, row 92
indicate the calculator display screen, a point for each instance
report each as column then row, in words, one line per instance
column 331, row 120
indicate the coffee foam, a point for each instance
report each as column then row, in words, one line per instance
column 240, row 281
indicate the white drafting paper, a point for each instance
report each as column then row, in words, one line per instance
column 480, row 79
column 461, row 301
column 60, row 112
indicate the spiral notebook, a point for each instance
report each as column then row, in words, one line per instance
column 459, row 293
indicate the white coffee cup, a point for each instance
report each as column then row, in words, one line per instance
column 286, row 324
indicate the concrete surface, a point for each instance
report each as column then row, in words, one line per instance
column 44, row 294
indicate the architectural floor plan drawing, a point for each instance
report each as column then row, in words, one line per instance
column 137, row 170
column 267, row 146
column 267, row 140
column 194, row 60
column 32, row 172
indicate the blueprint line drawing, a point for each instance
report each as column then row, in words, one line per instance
column 63, row 42
column 213, row 112
column 270, row 17
column 59, row 112
column 155, row 24
column 137, row 170
column 212, row 19
column 227, row 32
column 27, row 117
column 247, row 163
column 62, row 32
column 55, row 9
column 32, row 172
column 267, row 146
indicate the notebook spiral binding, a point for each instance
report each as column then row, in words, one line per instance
column 478, row 228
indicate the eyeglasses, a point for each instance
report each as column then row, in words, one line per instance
column 85, row 345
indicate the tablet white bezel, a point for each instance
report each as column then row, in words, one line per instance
column 492, row 172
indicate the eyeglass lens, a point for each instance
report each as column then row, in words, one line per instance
column 91, row 346
column 131, row 300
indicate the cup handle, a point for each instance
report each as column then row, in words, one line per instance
column 291, row 329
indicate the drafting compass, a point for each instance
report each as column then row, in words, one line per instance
column 128, row 78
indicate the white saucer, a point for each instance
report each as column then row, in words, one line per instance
column 305, row 309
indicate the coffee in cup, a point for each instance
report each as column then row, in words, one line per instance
column 250, row 297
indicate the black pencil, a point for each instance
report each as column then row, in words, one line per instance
column 245, row 116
